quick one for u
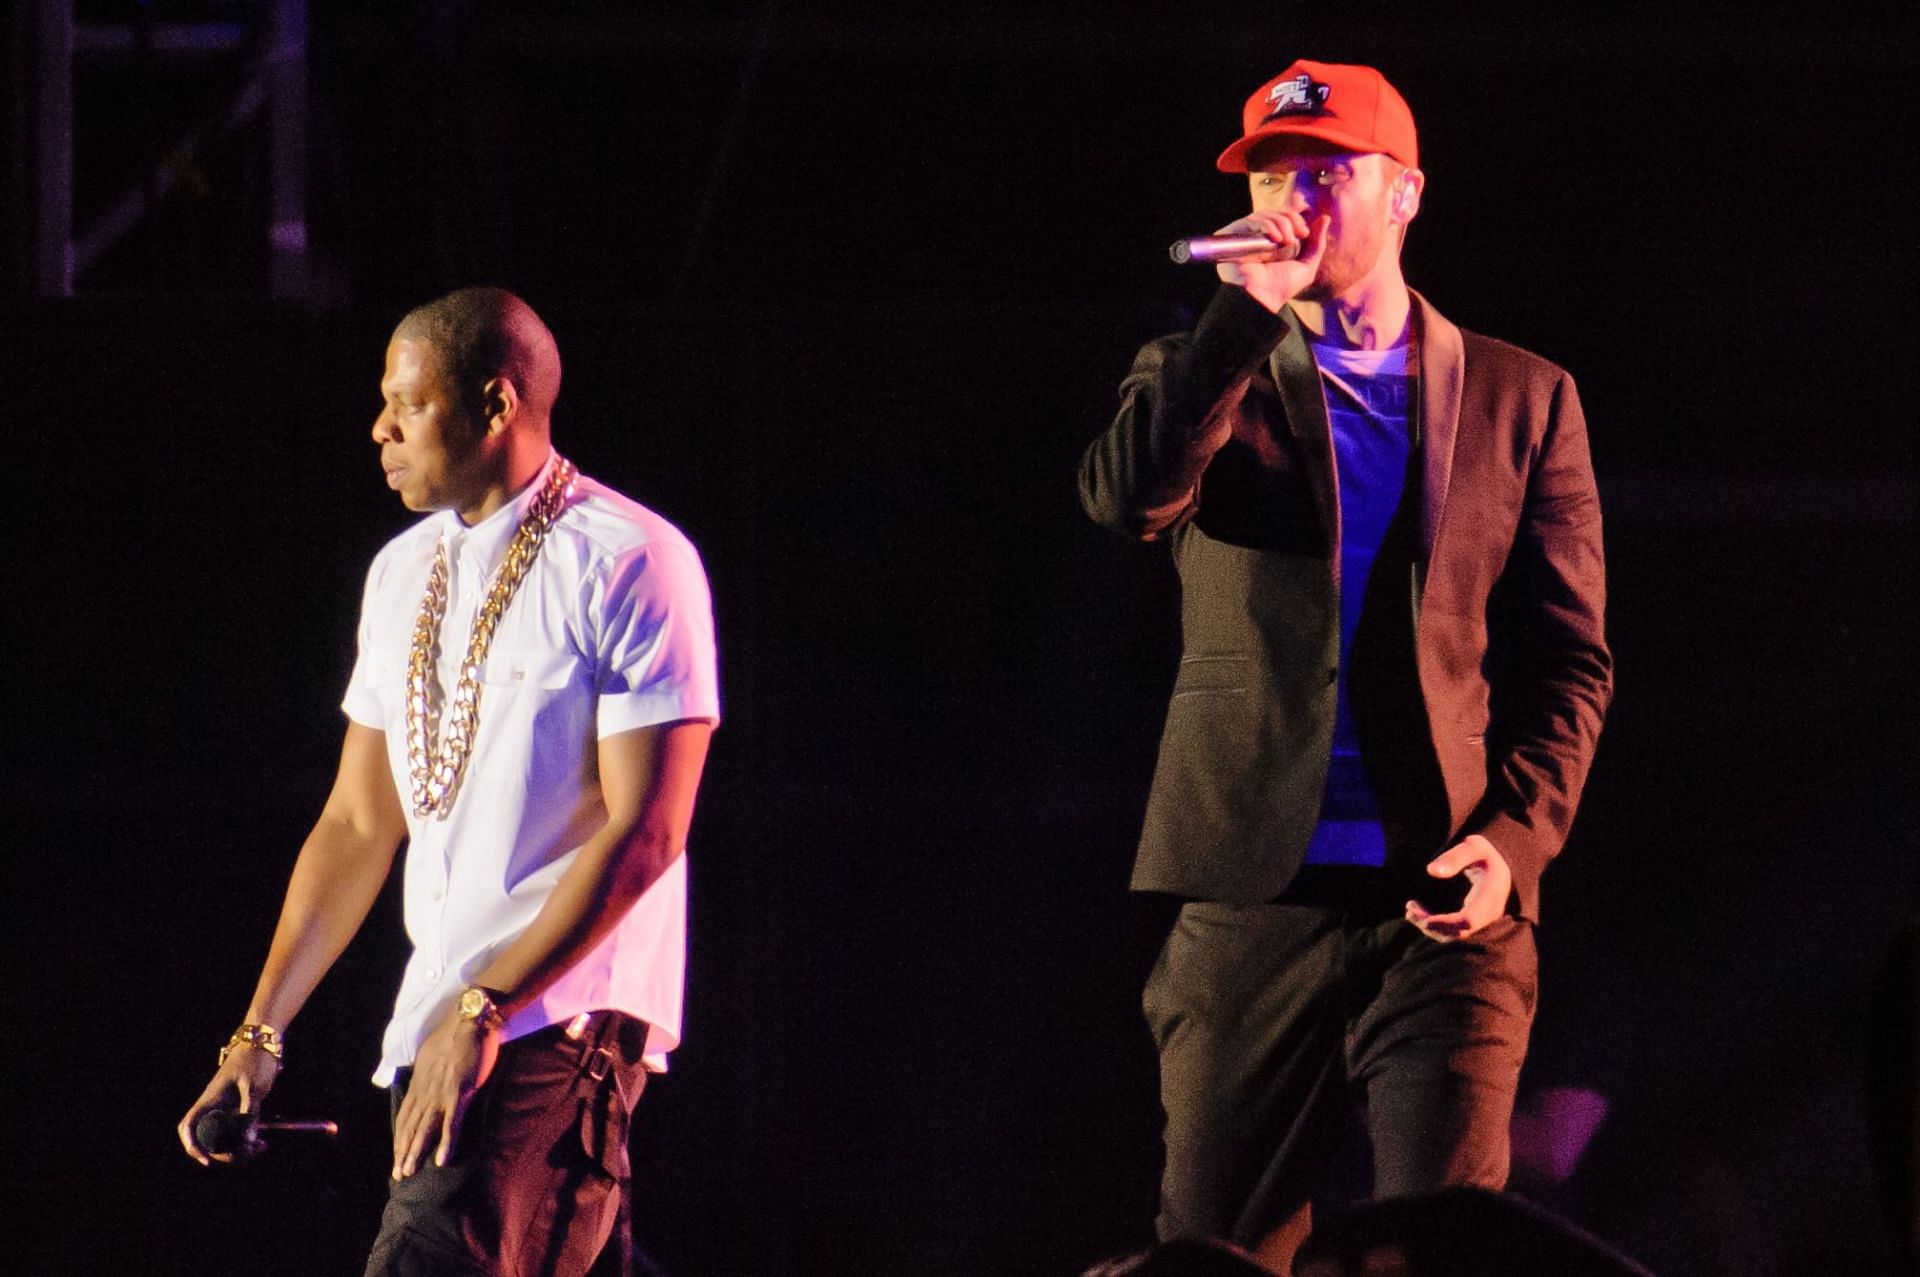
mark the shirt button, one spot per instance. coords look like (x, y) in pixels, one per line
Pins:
(432, 974)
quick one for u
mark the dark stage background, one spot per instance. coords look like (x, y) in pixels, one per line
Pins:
(844, 292)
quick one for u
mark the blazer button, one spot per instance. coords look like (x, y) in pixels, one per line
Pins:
(1333, 675)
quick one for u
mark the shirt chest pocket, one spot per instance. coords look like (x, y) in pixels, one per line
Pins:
(536, 713)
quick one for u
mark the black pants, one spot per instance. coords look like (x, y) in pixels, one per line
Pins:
(539, 1173)
(1271, 1018)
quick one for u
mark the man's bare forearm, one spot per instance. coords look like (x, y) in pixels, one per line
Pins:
(341, 868)
(334, 884)
(609, 874)
(649, 783)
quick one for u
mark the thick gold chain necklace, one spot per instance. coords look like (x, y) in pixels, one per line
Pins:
(435, 772)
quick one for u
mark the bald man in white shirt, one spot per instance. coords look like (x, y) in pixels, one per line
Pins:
(544, 782)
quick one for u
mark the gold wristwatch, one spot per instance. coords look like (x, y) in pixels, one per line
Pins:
(478, 1007)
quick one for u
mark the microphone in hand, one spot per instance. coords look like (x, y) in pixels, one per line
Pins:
(242, 1136)
(1226, 248)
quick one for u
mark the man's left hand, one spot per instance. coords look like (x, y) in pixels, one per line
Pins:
(453, 1063)
(1490, 883)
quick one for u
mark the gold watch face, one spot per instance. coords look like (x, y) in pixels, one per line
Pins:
(474, 1004)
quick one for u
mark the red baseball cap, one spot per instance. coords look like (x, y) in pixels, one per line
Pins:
(1352, 107)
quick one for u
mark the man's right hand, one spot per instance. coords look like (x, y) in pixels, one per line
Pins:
(1297, 247)
(248, 1073)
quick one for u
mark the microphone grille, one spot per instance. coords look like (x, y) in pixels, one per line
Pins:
(222, 1130)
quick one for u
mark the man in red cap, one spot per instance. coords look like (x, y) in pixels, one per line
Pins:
(1394, 676)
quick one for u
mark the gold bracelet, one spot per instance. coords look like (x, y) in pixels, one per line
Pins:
(264, 1036)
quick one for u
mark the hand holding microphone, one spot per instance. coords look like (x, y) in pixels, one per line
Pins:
(1223, 248)
(225, 1133)
(1271, 253)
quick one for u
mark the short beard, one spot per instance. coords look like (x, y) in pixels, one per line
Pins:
(1324, 287)
(1337, 274)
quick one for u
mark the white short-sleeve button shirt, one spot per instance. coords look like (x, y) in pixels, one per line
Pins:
(611, 630)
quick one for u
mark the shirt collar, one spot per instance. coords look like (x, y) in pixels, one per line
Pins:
(487, 539)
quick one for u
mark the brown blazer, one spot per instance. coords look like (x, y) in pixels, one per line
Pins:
(1222, 446)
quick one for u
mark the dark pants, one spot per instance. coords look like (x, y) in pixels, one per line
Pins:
(1271, 1018)
(539, 1173)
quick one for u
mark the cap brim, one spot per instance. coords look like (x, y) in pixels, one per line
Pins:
(1234, 158)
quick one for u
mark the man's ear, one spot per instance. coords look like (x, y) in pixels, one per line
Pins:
(1404, 205)
(499, 404)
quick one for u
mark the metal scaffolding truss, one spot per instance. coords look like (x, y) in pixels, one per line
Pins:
(50, 42)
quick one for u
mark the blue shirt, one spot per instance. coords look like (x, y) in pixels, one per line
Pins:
(1369, 397)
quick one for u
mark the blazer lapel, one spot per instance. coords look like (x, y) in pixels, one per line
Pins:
(1298, 380)
(1442, 371)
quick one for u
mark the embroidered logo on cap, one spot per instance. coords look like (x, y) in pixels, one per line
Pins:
(1302, 95)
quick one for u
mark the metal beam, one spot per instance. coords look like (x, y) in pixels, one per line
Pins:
(1481, 41)
(46, 101)
(275, 85)
(121, 216)
(114, 42)
(286, 75)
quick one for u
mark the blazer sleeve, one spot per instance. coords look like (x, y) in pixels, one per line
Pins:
(1554, 672)
(1141, 477)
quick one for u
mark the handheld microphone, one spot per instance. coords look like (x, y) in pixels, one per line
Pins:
(243, 1135)
(1225, 248)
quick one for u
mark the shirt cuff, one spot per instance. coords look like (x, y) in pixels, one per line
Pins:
(625, 712)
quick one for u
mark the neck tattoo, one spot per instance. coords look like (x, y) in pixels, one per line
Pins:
(435, 769)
